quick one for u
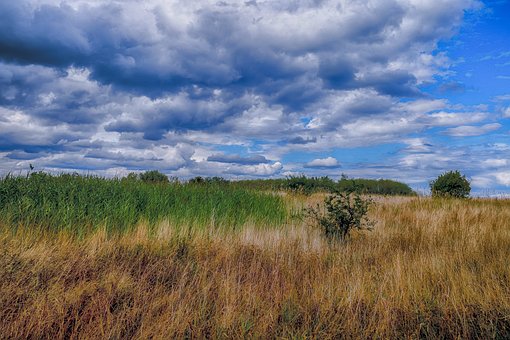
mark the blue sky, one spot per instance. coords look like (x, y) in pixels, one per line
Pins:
(400, 89)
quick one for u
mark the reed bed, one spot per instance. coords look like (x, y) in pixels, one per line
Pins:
(81, 204)
(429, 269)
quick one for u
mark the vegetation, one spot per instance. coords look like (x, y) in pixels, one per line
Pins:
(84, 203)
(296, 184)
(375, 187)
(208, 180)
(153, 176)
(305, 185)
(429, 269)
(342, 213)
(450, 184)
(309, 185)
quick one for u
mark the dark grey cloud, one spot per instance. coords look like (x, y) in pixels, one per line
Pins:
(237, 159)
(177, 112)
(45, 34)
(144, 49)
(337, 73)
(398, 83)
(301, 140)
(23, 155)
(119, 156)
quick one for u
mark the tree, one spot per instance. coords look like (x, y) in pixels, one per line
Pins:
(450, 184)
(131, 177)
(197, 180)
(153, 176)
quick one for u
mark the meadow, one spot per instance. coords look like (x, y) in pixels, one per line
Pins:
(80, 259)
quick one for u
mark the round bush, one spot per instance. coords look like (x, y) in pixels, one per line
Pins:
(450, 184)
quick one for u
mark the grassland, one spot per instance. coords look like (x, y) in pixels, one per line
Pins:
(434, 268)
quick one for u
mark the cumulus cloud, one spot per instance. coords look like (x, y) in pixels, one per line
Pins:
(165, 45)
(255, 170)
(328, 162)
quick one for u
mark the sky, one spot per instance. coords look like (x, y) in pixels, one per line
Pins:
(397, 89)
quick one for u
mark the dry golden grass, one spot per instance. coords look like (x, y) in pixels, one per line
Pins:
(431, 268)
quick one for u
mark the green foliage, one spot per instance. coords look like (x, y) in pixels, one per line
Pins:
(450, 184)
(153, 176)
(375, 187)
(197, 180)
(342, 212)
(132, 176)
(82, 203)
(309, 185)
(209, 180)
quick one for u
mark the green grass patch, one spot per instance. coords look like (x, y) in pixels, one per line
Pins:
(84, 203)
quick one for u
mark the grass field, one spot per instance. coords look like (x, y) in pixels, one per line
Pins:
(434, 268)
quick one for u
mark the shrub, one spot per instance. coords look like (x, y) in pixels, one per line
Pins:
(450, 184)
(342, 212)
(153, 176)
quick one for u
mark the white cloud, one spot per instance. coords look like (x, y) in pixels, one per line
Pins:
(502, 98)
(467, 130)
(481, 181)
(455, 118)
(495, 162)
(328, 162)
(255, 170)
(503, 177)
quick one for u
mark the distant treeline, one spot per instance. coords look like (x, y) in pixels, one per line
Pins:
(309, 185)
(299, 184)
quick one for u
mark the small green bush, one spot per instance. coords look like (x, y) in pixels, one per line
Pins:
(342, 212)
(450, 184)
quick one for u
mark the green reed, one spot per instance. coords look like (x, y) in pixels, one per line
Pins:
(84, 203)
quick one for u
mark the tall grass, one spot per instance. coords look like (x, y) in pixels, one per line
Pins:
(429, 269)
(81, 204)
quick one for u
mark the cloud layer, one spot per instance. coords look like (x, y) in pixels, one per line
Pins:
(228, 88)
